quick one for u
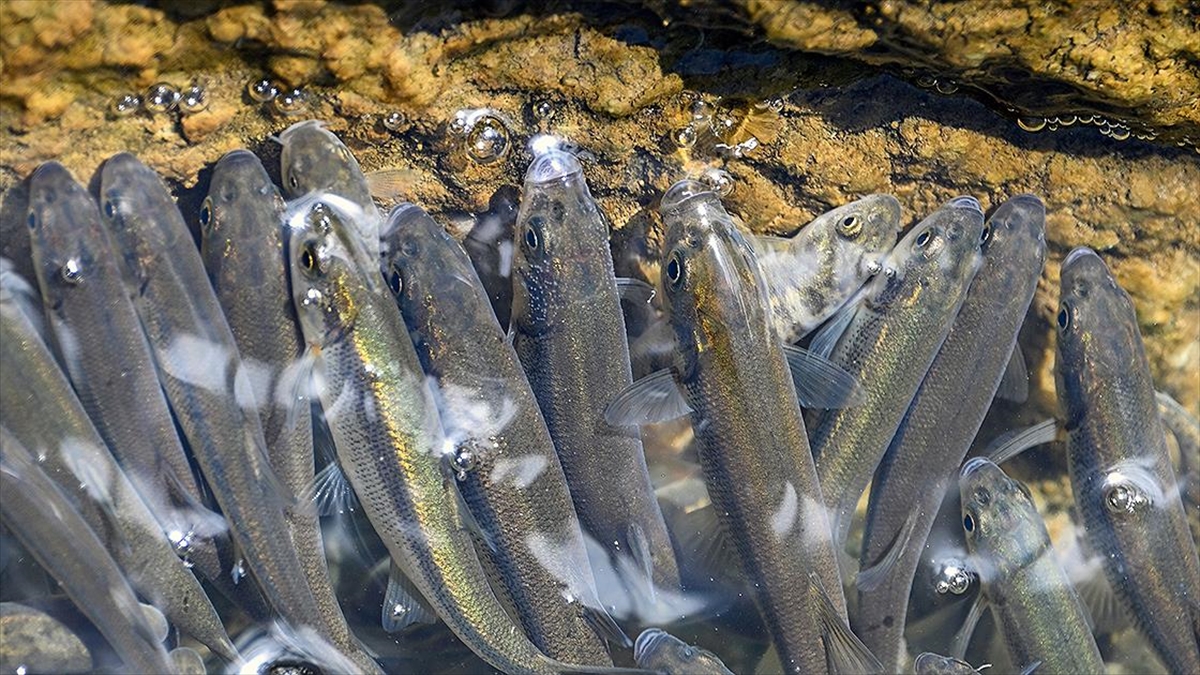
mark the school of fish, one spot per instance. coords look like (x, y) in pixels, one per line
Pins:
(207, 433)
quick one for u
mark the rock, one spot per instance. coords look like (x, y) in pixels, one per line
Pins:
(33, 641)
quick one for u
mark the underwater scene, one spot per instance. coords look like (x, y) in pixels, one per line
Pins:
(676, 338)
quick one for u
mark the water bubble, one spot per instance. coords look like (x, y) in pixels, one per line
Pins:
(774, 104)
(1067, 120)
(262, 90)
(72, 273)
(701, 109)
(926, 81)
(1086, 119)
(161, 98)
(685, 137)
(194, 99)
(126, 105)
(394, 120)
(719, 180)
(946, 87)
(1119, 132)
(464, 462)
(487, 141)
(1052, 126)
(459, 125)
(1031, 124)
(289, 102)
(1105, 131)
(543, 110)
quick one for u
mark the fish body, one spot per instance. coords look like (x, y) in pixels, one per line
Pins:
(662, 652)
(944, 416)
(314, 160)
(47, 524)
(41, 411)
(810, 275)
(569, 334)
(388, 435)
(902, 318)
(206, 384)
(242, 245)
(1121, 476)
(1031, 597)
(514, 486)
(760, 476)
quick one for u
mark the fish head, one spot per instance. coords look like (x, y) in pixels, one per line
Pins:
(1003, 529)
(328, 268)
(135, 206)
(1097, 331)
(561, 251)
(313, 159)
(656, 649)
(712, 283)
(240, 197)
(928, 663)
(426, 269)
(64, 225)
(938, 257)
(861, 231)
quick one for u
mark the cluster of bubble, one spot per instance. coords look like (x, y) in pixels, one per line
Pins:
(280, 100)
(485, 134)
(161, 98)
(1113, 129)
(940, 84)
(728, 129)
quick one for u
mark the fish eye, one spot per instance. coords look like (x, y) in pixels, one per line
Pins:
(532, 240)
(675, 270)
(110, 209)
(206, 213)
(308, 258)
(31, 221)
(850, 226)
(1064, 318)
(394, 281)
(293, 181)
(923, 239)
(968, 523)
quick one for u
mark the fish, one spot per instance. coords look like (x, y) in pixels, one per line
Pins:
(508, 472)
(388, 436)
(569, 334)
(96, 333)
(41, 411)
(928, 663)
(1120, 472)
(205, 381)
(242, 245)
(44, 519)
(944, 417)
(760, 475)
(1035, 606)
(887, 337)
(314, 160)
(662, 652)
(1185, 428)
(813, 273)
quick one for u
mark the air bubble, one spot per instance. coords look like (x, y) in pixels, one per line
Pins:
(543, 110)
(1031, 124)
(394, 120)
(161, 98)
(289, 102)
(1052, 126)
(1087, 119)
(1067, 120)
(684, 137)
(946, 87)
(927, 82)
(126, 105)
(487, 141)
(194, 99)
(701, 110)
(719, 180)
(1119, 132)
(72, 273)
(262, 90)
(464, 462)
(775, 104)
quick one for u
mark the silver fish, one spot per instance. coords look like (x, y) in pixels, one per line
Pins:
(45, 521)
(510, 475)
(205, 382)
(569, 333)
(943, 418)
(242, 244)
(662, 652)
(813, 273)
(1029, 593)
(1121, 475)
(892, 332)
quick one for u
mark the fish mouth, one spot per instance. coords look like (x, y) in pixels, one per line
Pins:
(1077, 253)
(648, 641)
(972, 465)
(965, 202)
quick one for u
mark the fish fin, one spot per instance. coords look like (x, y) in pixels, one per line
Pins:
(821, 383)
(827, 336)
(1009, 445)
(156, 622)
(187, 661)
(603, 624)
(962, 638)
(1105, 612)
(465, 517)
(1014, 383)
(332, 494)
(843, 650)
(766, 243)
(403, 604)
(389, 184)
(869, 579)
(639, 550)
(652, 399)
(635, 291)
(1029, 669)
(510, 336)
